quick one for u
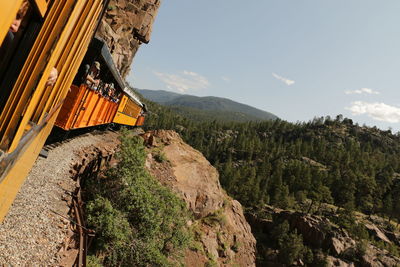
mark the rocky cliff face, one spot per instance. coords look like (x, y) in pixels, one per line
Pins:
(125, 26)
(319, 232)
(222, 233)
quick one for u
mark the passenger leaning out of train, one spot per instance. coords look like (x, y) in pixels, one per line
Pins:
(92, 75)
(110, 92)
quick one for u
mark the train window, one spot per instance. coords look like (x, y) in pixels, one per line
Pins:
(14, 51)
(15, 48)
(42, 6)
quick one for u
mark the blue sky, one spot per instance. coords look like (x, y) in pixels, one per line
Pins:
(295, 58)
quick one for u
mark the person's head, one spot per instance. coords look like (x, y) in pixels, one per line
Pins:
(23, 10)
(95, 68)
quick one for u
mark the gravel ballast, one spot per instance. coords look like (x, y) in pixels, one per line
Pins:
(32, 234)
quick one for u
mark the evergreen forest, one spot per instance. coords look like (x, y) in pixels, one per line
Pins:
(280, 163)
(306, 167)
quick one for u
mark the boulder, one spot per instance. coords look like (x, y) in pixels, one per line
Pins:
(335, 262)
(377, 233)
(341, 245)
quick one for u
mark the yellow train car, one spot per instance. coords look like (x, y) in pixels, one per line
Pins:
(41, 40)
(130, 110)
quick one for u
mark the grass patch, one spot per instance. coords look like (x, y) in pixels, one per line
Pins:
(215, 218)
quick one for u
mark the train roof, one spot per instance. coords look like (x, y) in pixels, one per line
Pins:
(132, 96)
(102, 47)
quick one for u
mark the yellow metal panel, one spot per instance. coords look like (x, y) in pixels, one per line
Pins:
(14, 179)
(122, 103)
(128, 112)
(11, 184)
(73, 54)
(81, 12)
(55, 30)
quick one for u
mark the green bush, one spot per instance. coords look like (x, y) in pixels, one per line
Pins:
(215, 218)
(138, 222)
(160, 157)
(113, 232)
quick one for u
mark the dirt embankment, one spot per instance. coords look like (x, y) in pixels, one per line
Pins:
(222, 232)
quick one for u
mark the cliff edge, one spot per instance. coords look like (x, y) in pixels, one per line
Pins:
(222, 234)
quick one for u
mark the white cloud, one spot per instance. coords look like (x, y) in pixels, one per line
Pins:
(183, 81)
(285, 80)
(377, 111)
(226, 79)
(362, 91)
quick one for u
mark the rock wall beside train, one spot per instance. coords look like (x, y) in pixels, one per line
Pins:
(125, 26)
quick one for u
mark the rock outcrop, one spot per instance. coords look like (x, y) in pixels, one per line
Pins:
(125, 26)
(222, 232)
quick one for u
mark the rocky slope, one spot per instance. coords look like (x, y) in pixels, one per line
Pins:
(319, 232)
(126, 25)
(223, 235)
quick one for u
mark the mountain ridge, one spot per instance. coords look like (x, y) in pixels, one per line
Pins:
(206, 106)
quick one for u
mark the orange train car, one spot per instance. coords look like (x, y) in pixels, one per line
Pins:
(84, 107)
(91, 105)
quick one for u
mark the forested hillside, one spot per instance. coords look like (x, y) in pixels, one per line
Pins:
(303, 166)
(329, 160)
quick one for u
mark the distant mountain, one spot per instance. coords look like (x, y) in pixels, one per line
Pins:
(158, 96)
(208, 107)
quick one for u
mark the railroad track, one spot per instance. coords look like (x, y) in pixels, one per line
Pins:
(77, 216)
(59, 136)
(85, 235)
(76, 210)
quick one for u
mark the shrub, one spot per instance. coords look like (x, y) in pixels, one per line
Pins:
(138, 222)
(113, 232)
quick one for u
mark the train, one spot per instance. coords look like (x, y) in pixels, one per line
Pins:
(48, 48)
